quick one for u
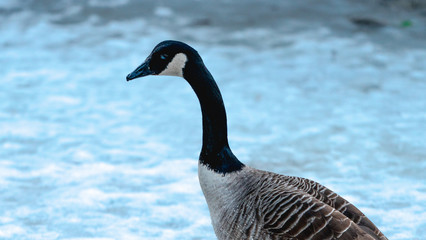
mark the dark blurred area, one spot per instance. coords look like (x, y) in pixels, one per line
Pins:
(383, 20)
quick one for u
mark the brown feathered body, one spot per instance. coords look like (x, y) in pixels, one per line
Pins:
(255, 204)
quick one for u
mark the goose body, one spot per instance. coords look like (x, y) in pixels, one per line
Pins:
(247, 203)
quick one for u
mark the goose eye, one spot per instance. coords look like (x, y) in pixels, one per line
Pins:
(164, 56)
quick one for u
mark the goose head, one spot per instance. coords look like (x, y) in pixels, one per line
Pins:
(168, 58)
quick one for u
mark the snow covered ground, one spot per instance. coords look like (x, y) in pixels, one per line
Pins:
(310, 90)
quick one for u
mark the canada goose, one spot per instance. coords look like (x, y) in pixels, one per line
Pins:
(246, 203)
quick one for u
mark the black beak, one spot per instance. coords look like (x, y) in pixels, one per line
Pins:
(141, 71)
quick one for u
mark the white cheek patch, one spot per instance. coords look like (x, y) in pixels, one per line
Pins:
(176, 66)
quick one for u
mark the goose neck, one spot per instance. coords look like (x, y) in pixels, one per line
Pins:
(215, 152)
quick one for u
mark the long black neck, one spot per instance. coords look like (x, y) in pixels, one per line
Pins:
(215, 152)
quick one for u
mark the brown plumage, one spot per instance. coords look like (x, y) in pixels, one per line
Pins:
(255, 204)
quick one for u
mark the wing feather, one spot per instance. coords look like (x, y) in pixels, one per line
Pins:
(298, 208)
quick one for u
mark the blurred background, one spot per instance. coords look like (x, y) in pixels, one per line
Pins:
(331, 90)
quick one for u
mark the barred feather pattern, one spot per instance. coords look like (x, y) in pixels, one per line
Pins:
(255, 204)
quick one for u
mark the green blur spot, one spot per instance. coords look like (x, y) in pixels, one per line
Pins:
(406, 23)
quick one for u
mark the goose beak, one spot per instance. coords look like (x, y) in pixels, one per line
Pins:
(141, 71)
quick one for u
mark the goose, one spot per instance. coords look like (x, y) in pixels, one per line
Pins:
(244, 202)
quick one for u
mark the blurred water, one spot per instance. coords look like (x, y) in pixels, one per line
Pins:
(85, 155)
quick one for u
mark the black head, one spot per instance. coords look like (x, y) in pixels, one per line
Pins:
(168, 58)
